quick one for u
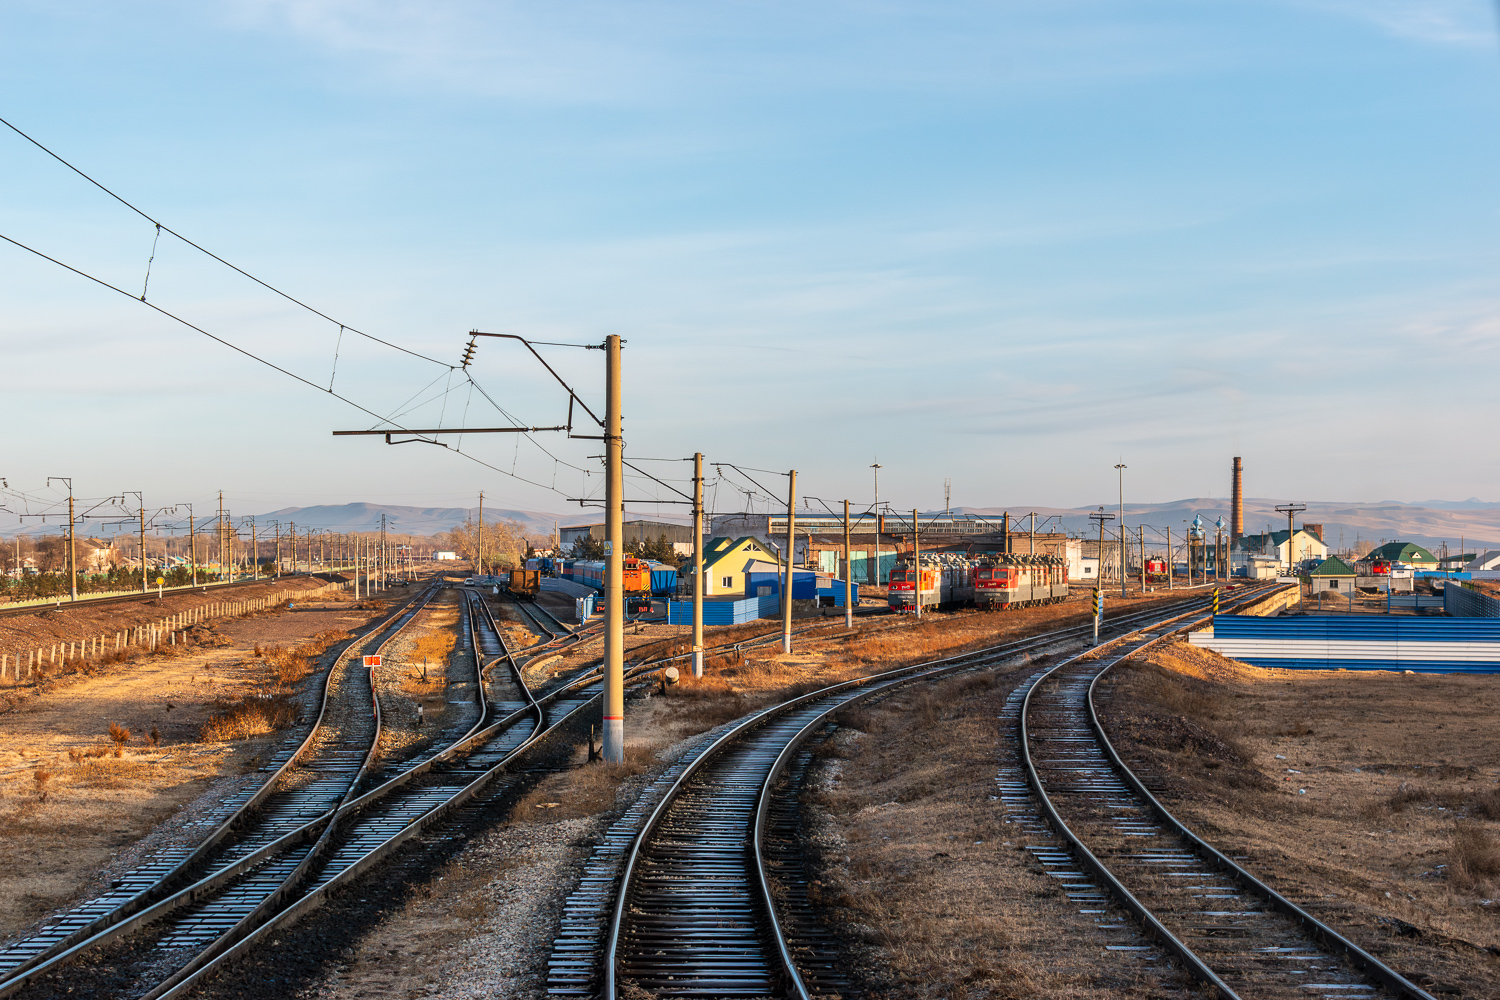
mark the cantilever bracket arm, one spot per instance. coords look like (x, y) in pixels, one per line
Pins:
(572, 396)
(447, 430)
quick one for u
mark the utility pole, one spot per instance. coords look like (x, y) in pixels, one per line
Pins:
(948, 497)
(916, 558)
(292, 537)
(192, 546)
(254, 549)
(1120, 468)
(1100, 516)
(791, 548)
(614, 558)
(479, 543)
(1032, 545)
(143, 545)
(1290, 509)
(848, 574)
(72, 550)
(875, 572)
(1171, 569)
(698, 564)
(1141, 531)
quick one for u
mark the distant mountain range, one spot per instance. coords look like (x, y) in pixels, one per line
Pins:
(417, 520)
(1429, 523)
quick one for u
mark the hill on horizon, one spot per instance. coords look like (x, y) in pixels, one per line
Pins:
(1427, 524)
(418, 520)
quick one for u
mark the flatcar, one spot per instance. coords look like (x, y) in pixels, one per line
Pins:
(943, 580)
(1016, 581)
(524, 584)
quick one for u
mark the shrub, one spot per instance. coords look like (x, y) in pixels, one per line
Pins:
(120, 736)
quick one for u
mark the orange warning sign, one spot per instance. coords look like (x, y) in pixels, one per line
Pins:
(372, 661)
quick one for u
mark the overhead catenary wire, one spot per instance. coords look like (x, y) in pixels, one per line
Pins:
(269, 364)
(203, 250)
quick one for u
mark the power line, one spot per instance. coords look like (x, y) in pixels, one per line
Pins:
(269, 364)
(264, 284)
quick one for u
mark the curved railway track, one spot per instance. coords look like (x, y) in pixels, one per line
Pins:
(174, 947)
(257, 817)
(1228, 928)
(268, 834)
(696, 914)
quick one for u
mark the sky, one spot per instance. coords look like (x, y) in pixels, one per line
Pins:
(1007, 245)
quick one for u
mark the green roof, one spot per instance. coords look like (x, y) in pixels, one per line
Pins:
(1402, 552)
(1333, 566)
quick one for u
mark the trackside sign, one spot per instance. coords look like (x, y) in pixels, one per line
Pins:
(372, 661)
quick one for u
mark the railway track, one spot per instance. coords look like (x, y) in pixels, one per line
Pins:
(319, 767)
(268, 833)
(1228, 928)
(159, 961)
(92, 602)
(696, 914)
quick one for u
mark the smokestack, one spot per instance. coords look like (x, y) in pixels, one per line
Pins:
(1237, 502)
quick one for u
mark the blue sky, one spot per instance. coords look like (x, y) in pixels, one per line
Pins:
(1007, 244)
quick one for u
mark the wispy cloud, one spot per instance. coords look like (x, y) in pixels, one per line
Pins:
(1468, 23)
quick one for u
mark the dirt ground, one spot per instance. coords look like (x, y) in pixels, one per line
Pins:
(1370, 798)
(74, 814)
(916, 871)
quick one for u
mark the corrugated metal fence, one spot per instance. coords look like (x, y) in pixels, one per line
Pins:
(1461, 602)
(1358, 642)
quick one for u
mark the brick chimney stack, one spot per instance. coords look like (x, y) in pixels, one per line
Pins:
(1237, 502)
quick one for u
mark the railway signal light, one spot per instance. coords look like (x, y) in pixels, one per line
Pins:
(1098, 612)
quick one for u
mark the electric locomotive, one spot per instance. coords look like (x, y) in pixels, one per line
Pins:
(943, 580)
(1017, 581)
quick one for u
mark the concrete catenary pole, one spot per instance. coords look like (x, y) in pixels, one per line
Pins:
(614, 556)
(916, 558)
(1031, 546)
(791, 549)
(1123, 560)
(254, 548)
(875, 570)
(72, 549)
(143, 538)
(479, 544)
(192, 546)
(1170, 568)
(848, 574)
(698, 564)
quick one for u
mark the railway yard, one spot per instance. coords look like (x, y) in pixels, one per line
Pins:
(911, 808)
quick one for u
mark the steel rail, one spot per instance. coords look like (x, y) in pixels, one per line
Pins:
(874, 684)
(1155, 928)
(150, 904)
(277, 899)
(189, 589)
(89, 933)
(1198, 967)
(314, 898)
(1317, 929)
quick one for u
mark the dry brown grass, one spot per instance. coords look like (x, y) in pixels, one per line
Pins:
(256, 715)
(587, 790)
(1474, 859)
(914, 874)
(41, 777)
(290, 667)
(1348, 788)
